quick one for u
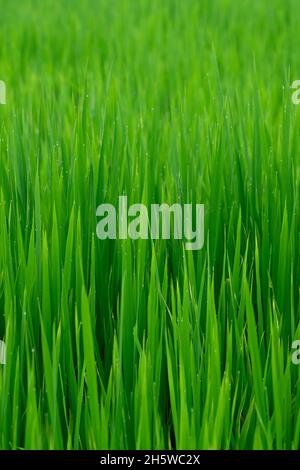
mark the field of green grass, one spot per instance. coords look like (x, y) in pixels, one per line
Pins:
(123, 344)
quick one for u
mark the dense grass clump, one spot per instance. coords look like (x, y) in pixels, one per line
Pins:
(142, 344)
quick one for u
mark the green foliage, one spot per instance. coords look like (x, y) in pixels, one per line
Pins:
(141, 344)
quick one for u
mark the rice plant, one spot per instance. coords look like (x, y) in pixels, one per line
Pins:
(141, 344)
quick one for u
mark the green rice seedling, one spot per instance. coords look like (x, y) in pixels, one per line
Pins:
(142, 344)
